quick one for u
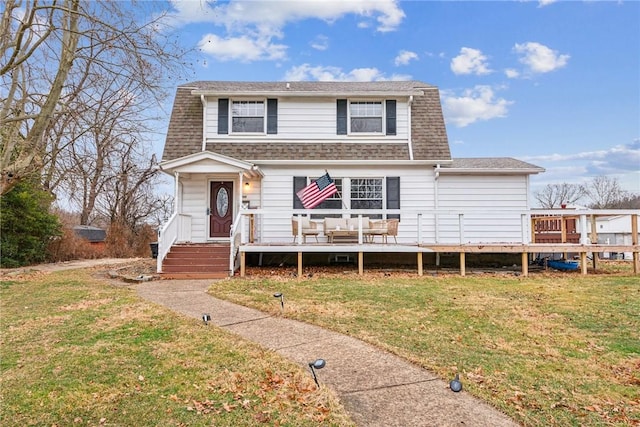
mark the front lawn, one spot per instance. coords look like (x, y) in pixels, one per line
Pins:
(75, 350)
(551, 349)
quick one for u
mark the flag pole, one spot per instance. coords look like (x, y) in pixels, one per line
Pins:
(337, 191)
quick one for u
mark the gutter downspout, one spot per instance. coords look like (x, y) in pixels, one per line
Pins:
(204, 121)
(409, 129)
(436, 206)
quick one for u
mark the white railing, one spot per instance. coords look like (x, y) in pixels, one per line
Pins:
(167, 236)
(427, 226)
(235, 239)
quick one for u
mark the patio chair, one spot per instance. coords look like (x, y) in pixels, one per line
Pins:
(309, 228)
(392, 228)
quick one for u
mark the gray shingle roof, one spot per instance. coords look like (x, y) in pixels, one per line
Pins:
(494, 164)
(428, 132)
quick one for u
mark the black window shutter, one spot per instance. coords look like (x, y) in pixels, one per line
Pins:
(299, 182)
(223, 116)
(391, 117)
(393, 195)
(272, 116)
(341, 105)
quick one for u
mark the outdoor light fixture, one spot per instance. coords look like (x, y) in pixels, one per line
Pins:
(206, 318)
(318, 364)
(455, 384)
(281, 296)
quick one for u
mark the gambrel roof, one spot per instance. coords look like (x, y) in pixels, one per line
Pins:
(428, 133)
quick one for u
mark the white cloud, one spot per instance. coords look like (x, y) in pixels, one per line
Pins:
(512, 73)
(330, 74)
(539, 58)
(543, 3)
(470, 61)
(321, 42)
(404, 57)
(244, 49)
(473, 105)
(623, 157)
(253, 24)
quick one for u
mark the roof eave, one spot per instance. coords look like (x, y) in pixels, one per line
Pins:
(297, 93)
(491, 171)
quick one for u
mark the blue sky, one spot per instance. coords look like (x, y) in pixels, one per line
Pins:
(554, 83)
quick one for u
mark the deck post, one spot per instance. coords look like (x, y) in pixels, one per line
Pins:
(525, 264)
(634, 241)
(360, 263)
(419, 229)
(594, 239)
(419, 263)
(463, 266)
(243, 259)
(583, 263)
(299, 265)
(461, 227)
(523, 225)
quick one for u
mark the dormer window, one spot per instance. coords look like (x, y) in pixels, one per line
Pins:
(247, 117)
(366, 116)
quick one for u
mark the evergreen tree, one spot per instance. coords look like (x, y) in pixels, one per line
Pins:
(26, 226)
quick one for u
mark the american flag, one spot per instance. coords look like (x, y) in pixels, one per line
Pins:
(320, 189)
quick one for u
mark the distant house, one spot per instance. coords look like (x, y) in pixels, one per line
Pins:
(94, 235)
(615, 230)
(237, 145)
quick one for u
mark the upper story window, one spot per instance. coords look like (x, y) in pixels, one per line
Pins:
(247, 116)
(366, 116)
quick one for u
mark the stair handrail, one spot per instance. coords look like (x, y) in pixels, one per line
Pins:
(233, 235)
(167, 236)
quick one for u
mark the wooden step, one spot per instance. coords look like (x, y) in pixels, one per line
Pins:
(197, 261)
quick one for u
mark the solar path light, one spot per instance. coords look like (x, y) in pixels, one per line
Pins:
(281, 296)
(206, 318)
(317, 364)
(455, 384)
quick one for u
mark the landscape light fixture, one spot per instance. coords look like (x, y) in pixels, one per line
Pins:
(455, 384)
(206, 318)
(317, 364)
(281, 296)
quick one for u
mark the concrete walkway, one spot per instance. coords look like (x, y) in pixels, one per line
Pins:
(376, 388)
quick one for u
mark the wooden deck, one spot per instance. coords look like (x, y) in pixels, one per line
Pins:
(420, 249)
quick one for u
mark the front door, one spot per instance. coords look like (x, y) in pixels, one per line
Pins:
(220, 209)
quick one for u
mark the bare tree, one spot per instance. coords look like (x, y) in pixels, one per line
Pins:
(52, 56)
(25, 112)
(556, 195)
(604, 192)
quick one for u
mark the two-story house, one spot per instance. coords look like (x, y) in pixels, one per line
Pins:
(240, 151)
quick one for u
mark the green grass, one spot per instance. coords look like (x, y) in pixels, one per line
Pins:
(75, 350)
(551, 349)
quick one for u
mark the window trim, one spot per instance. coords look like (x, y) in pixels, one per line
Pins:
(264, 115)
(383, 117)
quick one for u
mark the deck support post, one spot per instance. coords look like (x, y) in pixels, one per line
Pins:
(583, 263)
(594, 239)
(243, 259)
(419, 263)
(360, 263)
(525, 264)
(463, 267)
(634, 241)
(299, 265)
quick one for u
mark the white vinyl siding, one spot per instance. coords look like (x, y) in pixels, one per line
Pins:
(310, 119)
(476, 196)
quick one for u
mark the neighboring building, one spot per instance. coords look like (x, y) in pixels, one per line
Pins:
(255, 144)
(94, 235)
(615, 230)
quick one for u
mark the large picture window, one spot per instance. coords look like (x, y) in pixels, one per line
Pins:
(247, 116)
(366, 193)
(366, 116)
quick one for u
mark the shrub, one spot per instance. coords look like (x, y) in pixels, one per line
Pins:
(26, 226)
